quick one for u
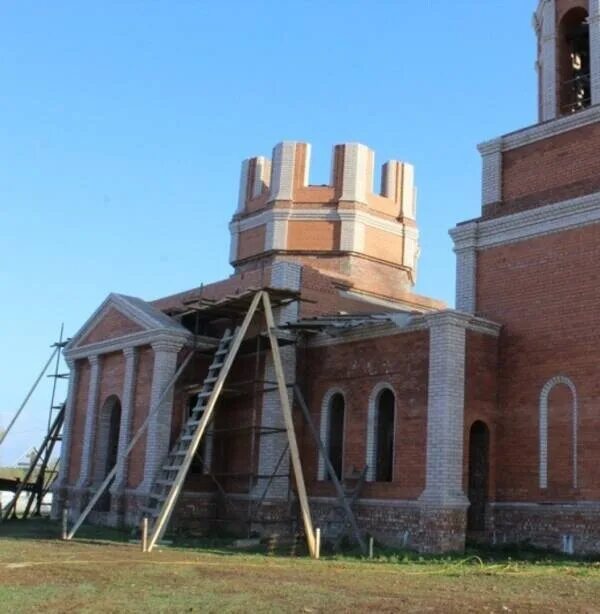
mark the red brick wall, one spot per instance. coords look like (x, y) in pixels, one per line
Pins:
(400, 360)
(545, 292)
(143, 389)
(78, 427)
(113, 324)
(111, 383)
(548, 171)
(481, 371)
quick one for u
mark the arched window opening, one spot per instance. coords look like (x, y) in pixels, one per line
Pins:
(563, 413)
(479, 467)
(574, 61)
(384, 457)
(335, 434)
(114, 430)
(107, 442)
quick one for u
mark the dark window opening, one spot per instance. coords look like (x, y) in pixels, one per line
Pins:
(574, 62)
(113, 437)
(385, 436)
(479, 468)
(335, 434)
(197, 467)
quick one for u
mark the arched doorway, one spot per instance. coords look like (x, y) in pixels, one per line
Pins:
(479, 469)
(107, 449)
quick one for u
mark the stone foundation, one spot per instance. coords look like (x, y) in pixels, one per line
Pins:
(442, 529)
(568, 528)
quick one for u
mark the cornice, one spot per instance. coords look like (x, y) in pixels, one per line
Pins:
(544, 220)
(118, 344)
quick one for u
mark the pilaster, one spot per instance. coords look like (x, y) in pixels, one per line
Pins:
(91, 415)
(127, 405)
(443, 502)
(159, 427)
(594, 21)
(465, 248)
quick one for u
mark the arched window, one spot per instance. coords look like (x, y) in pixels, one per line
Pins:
(333, 412)
(109, 428)
(544, 416)
(380, 434)
(574, 61)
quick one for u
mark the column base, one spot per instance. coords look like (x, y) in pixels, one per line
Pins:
(442, 529)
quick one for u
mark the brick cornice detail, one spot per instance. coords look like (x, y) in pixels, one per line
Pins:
(548, 219)
(539, 132)
(129, 341)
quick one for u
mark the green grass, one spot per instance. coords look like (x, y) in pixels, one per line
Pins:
(12, 472)
(102, 571)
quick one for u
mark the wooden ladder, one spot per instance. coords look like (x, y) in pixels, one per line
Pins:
(179, 459)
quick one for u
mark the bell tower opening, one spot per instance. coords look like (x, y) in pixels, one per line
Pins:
(574, 62)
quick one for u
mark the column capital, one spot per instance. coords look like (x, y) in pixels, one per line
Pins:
(94, 359)
(129, 352)
(166, 345)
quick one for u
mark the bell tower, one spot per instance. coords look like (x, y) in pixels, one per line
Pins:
(568, 56)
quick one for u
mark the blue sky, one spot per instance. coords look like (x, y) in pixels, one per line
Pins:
(123, 125)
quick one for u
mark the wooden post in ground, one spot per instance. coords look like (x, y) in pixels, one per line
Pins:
(65, 523)
(144, 534)
(317, 543)
(289, 425)
(370, 547)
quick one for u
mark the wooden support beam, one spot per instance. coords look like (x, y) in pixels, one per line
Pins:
(330, 470)
(289, 424)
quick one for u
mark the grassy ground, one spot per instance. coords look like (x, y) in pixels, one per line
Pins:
(95, 574)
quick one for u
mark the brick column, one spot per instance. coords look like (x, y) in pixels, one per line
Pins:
(595, 50)
(443, 502)
(91, 414)
(59, 487)
(159, 429)
(465, 248)
(283, 275)
(127, 404)
(546, 63)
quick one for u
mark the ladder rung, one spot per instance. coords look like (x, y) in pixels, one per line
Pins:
(150, 511)
(210, 380)
(221, 352)
(164, 482)
(217, 365)
(171, 467)
(158, 496)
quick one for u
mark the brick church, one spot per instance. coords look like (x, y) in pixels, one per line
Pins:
(471, 423)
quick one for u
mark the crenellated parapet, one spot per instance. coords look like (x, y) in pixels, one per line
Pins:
(280, 213)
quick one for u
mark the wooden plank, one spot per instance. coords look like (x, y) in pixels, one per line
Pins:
(289, 423)
(167, 509)
(330, 470)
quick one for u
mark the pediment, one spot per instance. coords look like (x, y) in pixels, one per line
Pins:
(119, 316)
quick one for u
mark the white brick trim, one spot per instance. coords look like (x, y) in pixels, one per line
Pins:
(67, 431)
(491, 160)
(128, 341)
(546, 32)
(594, 21)
(544, 395)
(282, 173)
(371, 448)
(445, 412)
(159, 429)
(325, 426)
(545, 220)
(357, 173)
(466, 268)
(345, 216)
(89, 434)
(539, 132)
